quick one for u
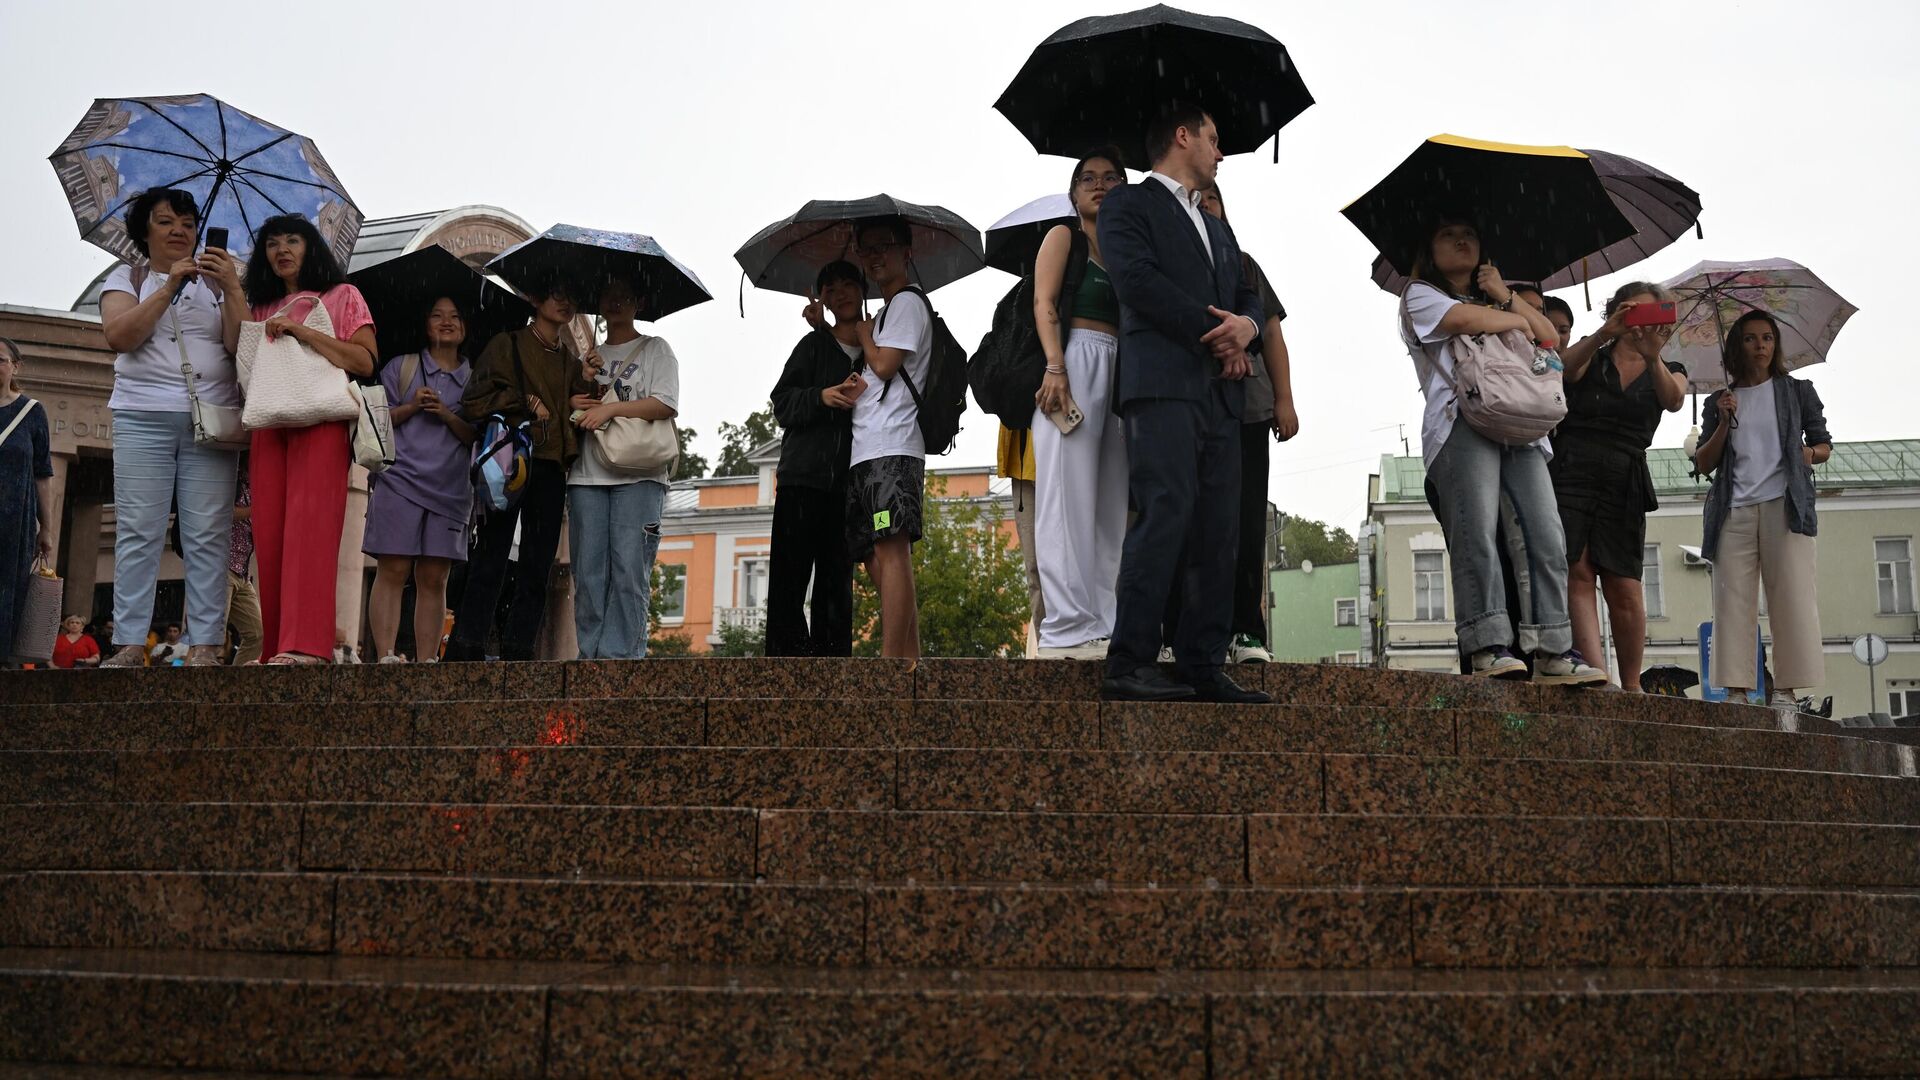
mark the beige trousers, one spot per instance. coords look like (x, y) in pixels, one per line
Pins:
(243, 614)
(1758, 551)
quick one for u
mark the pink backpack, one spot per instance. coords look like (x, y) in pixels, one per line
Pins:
(1504, 386)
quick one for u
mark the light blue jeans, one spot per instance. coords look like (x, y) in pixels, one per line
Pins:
(156, 468)
(613, 534)
(1469, 475)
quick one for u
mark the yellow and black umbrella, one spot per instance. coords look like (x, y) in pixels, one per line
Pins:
(1538, 208)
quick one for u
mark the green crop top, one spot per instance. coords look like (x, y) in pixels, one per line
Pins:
(1094, 299)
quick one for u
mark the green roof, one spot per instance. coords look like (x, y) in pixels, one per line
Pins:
(1882, 463)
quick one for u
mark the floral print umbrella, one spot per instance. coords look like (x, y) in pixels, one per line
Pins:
(1713, 295)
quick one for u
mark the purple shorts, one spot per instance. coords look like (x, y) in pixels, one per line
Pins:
(396, 526)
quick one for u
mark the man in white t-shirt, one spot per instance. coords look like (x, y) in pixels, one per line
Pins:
(889, 455)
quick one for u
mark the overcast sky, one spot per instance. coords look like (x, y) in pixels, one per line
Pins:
(700, 123)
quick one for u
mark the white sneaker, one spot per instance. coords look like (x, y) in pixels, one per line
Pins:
(1246, 649)
(1498, 662)
(1780, 699)
(1086, 650)
(393, 658)
(345, 654)
(1567, 669)
(1166, 654)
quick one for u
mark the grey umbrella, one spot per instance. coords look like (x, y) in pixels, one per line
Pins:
(788, 254)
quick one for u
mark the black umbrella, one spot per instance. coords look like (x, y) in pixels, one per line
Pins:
(400, 291)
(1014, 241)
(1101, 80)
(1670, 680)
(586, 260)
(1660, 208)
(787, 255)
(1539, 208)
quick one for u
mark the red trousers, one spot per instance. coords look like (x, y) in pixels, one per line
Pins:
(299, 478)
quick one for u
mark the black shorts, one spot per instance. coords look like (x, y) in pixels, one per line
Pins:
(883, 500)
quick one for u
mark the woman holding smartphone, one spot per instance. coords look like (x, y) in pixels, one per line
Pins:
(299, 475)
(177, 309)
(1617, 390)
(1762, 437)
(417, 516)
(1079, 452)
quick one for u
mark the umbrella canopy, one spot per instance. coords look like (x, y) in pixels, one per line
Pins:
(787, 255)
(1539, 208)
(240, 169)
(1103, 79)
(401, 290)
(1014, 240)
(1713, 295)
(1670, 680)
(586, 260)
(1660, 209)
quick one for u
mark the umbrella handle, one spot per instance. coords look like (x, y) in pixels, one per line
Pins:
(743, 294)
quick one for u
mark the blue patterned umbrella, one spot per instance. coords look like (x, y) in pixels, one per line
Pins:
(585, 260)
(240, 169)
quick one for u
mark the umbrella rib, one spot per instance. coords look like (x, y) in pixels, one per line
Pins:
(124, 203)
(256, 190)
(825, 228)
(293, 180)
(143, 150)
(270, 144)
(196, 139)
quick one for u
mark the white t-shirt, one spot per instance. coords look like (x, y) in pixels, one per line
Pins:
(1758, 475)
(885, 421)
(148, 379)
(1425, 306)
(640, 369)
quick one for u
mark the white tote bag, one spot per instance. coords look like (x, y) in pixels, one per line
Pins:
(287, 384)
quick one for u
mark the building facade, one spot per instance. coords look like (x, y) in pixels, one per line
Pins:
(1869, 514)
(1315, 615)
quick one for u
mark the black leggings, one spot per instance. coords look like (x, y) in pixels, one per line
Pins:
(539, 515)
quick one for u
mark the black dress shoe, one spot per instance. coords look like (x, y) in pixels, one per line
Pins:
(1215, 686)
(1145, 683)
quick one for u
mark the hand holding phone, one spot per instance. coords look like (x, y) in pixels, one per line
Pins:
(1653, 313)
(216, 238)
(1067, 417)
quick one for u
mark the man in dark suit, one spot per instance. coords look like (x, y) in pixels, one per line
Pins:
(1187, 318)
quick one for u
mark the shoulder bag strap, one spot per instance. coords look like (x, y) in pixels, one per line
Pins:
(186, 366)
(409, 368)
(21, 415)
(1077, 256)
(1413, 341)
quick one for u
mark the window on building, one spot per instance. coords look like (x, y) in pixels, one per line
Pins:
(673, 591)
(1893, 569)
(1346, 658)
(752, 590)
(1430, 586)
(1650, 581)
(1346, 612)
(1903, 703)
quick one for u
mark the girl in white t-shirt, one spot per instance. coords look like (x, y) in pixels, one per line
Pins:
(613, 517)
(1469, 472)
(177, 308)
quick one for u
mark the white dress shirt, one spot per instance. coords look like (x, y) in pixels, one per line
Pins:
(1190, 200)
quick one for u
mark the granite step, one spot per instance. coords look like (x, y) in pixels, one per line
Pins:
(718, 843)
(827, 723)
(1074, 927)
(483, 1019)
(1070, 781)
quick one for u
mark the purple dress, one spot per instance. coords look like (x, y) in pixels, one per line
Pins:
(421, 505)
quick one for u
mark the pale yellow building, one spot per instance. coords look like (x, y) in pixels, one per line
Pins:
(1869, 507)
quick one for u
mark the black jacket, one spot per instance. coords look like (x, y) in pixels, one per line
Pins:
(815, 441)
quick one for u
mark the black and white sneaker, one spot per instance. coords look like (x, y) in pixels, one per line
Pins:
(1498, 662)
(1567, 669)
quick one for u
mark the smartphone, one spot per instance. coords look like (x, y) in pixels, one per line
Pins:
(1658, 313)
(217, 237)
(1067, 419)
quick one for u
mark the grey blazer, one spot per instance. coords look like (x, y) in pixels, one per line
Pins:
(1803, 422)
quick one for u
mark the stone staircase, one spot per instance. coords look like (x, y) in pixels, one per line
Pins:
(846, 868)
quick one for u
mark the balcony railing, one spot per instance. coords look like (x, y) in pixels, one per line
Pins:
(748, 618)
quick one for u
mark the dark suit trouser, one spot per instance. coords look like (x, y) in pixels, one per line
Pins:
(1183, 462)
(810, 543)
(1250, 564)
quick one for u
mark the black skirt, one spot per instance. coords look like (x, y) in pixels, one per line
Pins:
(1604, 494)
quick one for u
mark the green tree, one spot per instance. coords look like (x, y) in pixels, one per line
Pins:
(968, 577)
(661, 587)
(738, 440)
(1304, 538)
(691, 466)
(737, 640)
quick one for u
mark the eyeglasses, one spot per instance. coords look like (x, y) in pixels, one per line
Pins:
(882, 248)
(1089, 179)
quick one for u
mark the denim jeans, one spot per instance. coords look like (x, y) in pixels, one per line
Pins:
(157, 467)
(1469, 475)
(614, 533)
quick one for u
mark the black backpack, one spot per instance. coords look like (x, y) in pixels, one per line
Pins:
(1007, 369)
(945, 397)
